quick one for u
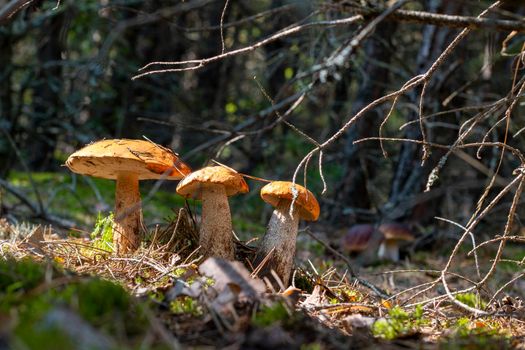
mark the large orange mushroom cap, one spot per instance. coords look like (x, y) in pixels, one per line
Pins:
(107, 158)
(306, 202)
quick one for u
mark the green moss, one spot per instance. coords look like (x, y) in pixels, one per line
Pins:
(49, 338)
(99, 300)
(186, 305)
(31, 290)
(400, 323)
(475, 334)
(471, 299)
(269, 315)
(19, 275)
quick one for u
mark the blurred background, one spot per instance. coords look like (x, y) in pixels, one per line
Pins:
(65, 80)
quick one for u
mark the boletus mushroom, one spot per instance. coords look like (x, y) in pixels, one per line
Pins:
(394, 234)
(213, 185)
(357, 238)
(127, 162)
(277, 247)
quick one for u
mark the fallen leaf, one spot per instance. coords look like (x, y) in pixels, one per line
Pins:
(225, 272)
(182, 288)
(358, 321)
(386, 304)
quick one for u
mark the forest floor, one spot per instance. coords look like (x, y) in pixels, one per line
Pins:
(65, 289)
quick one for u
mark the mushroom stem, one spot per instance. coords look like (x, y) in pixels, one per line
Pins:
(216, 237)
(389, 250)
(128, 213)
(279, 241)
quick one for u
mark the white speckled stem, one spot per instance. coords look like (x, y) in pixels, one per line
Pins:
(128, 214)
(389, 250)
(216, 238)
(280, 237)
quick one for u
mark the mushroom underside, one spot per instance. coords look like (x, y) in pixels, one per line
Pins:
(128, 214)
(215, 237)
(279, 242)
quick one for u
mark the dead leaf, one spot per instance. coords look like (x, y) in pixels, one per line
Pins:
(226, 272)
(183, 288)
(358, 321)
(315, 298)
(34, 241)
(386, 304)
(223, 303)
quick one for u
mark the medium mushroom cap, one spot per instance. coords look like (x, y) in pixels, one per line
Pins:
(276, 191)
(107, 158)
(357, 238)
(192, 184)
(396, 231)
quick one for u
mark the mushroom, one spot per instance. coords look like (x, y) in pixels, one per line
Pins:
(278, 243)
(357, 238)
(127, 162)
(394, 234)
(214, 185)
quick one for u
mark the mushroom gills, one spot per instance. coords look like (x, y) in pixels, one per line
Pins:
(216, 238)
(128, 213)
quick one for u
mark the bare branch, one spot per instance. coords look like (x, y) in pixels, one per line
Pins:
(12, 8)
(439, 19)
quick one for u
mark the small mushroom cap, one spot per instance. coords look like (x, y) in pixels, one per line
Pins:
(357, 238)
(107, 158)
(276, 191)
(396, 231)
(192, 184)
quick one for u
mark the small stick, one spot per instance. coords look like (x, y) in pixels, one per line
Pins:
(379, 292)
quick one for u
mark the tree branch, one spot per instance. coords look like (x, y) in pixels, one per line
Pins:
(11, 8)
(439, 19)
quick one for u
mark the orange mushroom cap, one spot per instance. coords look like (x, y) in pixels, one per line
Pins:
(192, 184)
(276, 191)
(107, 158)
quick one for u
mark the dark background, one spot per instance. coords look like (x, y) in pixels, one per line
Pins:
(65, 80)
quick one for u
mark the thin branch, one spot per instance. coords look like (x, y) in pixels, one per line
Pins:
(199, 63)
(12, 8)
(453, 21)
(363, 282)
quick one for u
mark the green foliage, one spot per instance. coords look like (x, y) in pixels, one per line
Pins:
(288, 73)
(471, 299)
(475, 334)
(400, 323)
(99, 300)
(102, 234)
(49, 338)
(230, 108)
(73, 196)
(19, 275)
(186, 305)
(16, 278)
(270, 314)
(311, 346)
(29, 291)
